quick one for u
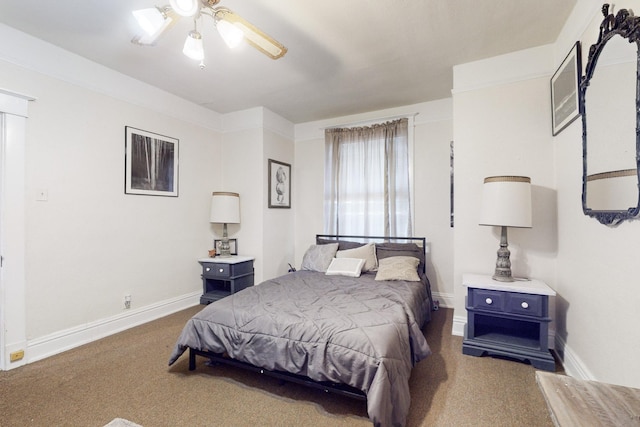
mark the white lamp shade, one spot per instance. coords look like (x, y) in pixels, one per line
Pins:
(193, 47)
(231, 34)
(506, 201)
(185, 7)
(150, 20)
(225, 208)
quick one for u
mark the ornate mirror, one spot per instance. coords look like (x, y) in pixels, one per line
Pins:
(610, 105)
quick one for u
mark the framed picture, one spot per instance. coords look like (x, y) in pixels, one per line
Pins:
(151, 163)
(233, 246)
(565, 90)
(279, 184)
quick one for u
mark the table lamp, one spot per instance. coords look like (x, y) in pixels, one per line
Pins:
(506, 202)
(225, 209)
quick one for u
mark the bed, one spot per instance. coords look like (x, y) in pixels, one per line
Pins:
(356, 332)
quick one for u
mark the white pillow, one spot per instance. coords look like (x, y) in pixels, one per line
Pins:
(318, 257)
(366, 252)
(351, 267)
(398, 268)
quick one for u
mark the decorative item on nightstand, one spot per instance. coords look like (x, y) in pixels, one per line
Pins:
(225, 209)
(506, 202)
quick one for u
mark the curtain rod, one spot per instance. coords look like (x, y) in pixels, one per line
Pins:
(377, 119)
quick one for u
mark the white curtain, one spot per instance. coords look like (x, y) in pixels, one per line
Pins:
(367, 184)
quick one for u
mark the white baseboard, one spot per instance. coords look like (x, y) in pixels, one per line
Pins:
(60, 341)
(459, 322)
(573, 365)
(444, 300)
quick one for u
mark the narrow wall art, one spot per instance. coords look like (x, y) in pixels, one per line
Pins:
(279, 184)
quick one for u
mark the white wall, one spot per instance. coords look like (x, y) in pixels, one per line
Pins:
(278, 231)
(432, 136)
(502, 125)
(251, 138)
(89, 244)
(242, 172)
(597, 269)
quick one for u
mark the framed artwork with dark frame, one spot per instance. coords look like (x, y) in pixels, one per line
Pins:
(279, 177)
(565, 93)
(233, 246)
(151, 163)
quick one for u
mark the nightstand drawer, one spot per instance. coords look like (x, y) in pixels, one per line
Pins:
(216, 270)
(487, 300)
(527, 304)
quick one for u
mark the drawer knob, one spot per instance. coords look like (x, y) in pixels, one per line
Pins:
(221, 270)
(524, 305)
(207, 269)
(489, 301)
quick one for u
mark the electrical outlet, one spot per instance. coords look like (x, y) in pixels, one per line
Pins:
(16, 355)
(127, 302)
(42, 195)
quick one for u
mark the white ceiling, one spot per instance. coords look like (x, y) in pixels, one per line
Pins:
(345, 56)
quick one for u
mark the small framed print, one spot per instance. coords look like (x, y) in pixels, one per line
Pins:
(565, 90)
(233, 246)
(279, 177)
(151, 163)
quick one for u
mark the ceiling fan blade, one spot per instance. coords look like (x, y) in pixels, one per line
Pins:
(254, 36)
(169, 19)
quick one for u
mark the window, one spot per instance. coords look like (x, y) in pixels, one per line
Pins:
(367, 180)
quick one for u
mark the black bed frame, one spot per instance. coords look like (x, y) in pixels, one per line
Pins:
(326, 386)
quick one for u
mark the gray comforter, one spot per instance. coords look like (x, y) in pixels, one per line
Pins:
(356, 331)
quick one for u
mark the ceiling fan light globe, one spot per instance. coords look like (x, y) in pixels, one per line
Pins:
(193, 47)
(185, 7)
(150, 20)
(231, 34)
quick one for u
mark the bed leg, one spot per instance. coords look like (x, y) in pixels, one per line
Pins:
(192, 359)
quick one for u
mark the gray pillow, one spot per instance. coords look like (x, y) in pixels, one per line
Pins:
(319, 257)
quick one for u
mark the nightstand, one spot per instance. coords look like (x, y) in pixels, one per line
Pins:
(509, 319)
(222, 277)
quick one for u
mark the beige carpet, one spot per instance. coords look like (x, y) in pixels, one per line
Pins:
(126, 376)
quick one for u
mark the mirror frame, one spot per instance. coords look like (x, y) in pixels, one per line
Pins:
(628, 27)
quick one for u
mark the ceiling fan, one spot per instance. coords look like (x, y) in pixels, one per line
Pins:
(232, 28)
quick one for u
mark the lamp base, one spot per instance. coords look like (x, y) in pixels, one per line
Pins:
(502, 276)
(225, 249)
(503, 263)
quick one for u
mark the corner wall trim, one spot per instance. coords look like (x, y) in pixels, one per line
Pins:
(459, 322)
(61, 341)
(573, 365)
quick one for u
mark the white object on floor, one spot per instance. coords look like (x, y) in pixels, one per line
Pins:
(121, 422)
